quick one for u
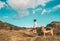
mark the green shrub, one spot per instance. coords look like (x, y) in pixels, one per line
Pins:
(39, 31)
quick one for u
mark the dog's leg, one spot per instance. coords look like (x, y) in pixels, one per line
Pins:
(44, 34)
(52, 33)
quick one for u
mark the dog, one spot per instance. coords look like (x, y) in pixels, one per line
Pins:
(47, 31)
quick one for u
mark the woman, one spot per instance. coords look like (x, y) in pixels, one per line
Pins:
(35, 25)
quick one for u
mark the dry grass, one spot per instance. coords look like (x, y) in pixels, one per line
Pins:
(25, 35)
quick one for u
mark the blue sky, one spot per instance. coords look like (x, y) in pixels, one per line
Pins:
(23, 12)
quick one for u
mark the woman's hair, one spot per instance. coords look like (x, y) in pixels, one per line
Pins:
(34, 20)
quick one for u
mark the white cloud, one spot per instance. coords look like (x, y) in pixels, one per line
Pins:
(44, 10)
(2, 4)
(54, 8)
(5, 17)
(38, 9)
(51, 10)
(21, 5)
(23, 13)
(26, 3)
(42, 2)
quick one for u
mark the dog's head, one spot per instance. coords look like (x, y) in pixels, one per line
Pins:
(42, 28)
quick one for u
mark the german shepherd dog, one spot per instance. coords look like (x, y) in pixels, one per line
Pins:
(47, 31)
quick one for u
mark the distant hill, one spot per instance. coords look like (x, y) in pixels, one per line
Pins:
(7, 26)
(54, 24)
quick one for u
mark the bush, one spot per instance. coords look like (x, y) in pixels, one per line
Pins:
(39, 31)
